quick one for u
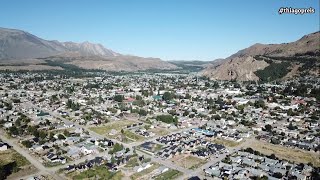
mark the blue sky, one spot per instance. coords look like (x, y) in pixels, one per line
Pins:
(168, 29)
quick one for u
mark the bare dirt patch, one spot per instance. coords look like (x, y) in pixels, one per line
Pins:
(188, 161)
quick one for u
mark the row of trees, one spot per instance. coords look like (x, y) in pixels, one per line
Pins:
(71, 105)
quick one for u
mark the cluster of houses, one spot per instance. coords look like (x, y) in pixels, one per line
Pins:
(220, 109)
(138, 128)
(74, 149)
(213, 129)
(54, 158)
(245, 165)
(97, 161)
(187, 142)
(143, 132)
(308, 144)
(230, 106)
(67, 142)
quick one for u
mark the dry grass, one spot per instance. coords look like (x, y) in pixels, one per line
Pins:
(224, 142)
(24, 171)
(99, 172)
(133, 136)
(10, 156)
(287, 153)
(159, 131)
(23, 164)
(171, 174)
(188, 161)
(117, 125)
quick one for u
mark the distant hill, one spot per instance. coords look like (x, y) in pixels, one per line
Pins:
(268, 62)
(20, 47)
(190, 65)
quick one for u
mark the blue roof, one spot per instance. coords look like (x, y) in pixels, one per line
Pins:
(157, 97)
(204, 131)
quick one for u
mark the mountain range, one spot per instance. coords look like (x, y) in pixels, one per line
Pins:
(270, 61)
(20, 50)
(18, 47)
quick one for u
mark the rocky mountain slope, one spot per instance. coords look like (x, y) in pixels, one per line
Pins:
(24, 48)
(16, 44)
(89, 49)
(283, 60)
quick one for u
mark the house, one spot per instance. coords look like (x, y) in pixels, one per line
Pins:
(68, 125)
(4, 146)
(53, 158)
(213, 171)
(241, 174)
(8, 124)
(88, 150)
(74, 152)
(249, 162)
(235, 159)
(256, 172)
(70, 168)
(298, 175)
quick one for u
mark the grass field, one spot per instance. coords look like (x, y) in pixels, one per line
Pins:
(96, 173)
(117, 125)
(132, 162)
(23, 168)
(157, 147)
(10, 156)
(145, 172)
(135, 162)
(224, 142)
(188, 162)
(287, 153)
(132, 136)
(170, 174)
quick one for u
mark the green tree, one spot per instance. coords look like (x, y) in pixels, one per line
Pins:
(118, 98)
(117, 147)
(66, 133)
(145, 93)
(42, 134)
(259, 104)
(139, 98)
(27, 143)
(268, 127)
(60, 136)
(13, 131)
(167, 119)
(216, 117)
(142, 112)
(167, 96)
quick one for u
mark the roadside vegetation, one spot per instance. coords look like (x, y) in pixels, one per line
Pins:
(170, 174)
(98, 173)
(11, 162)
